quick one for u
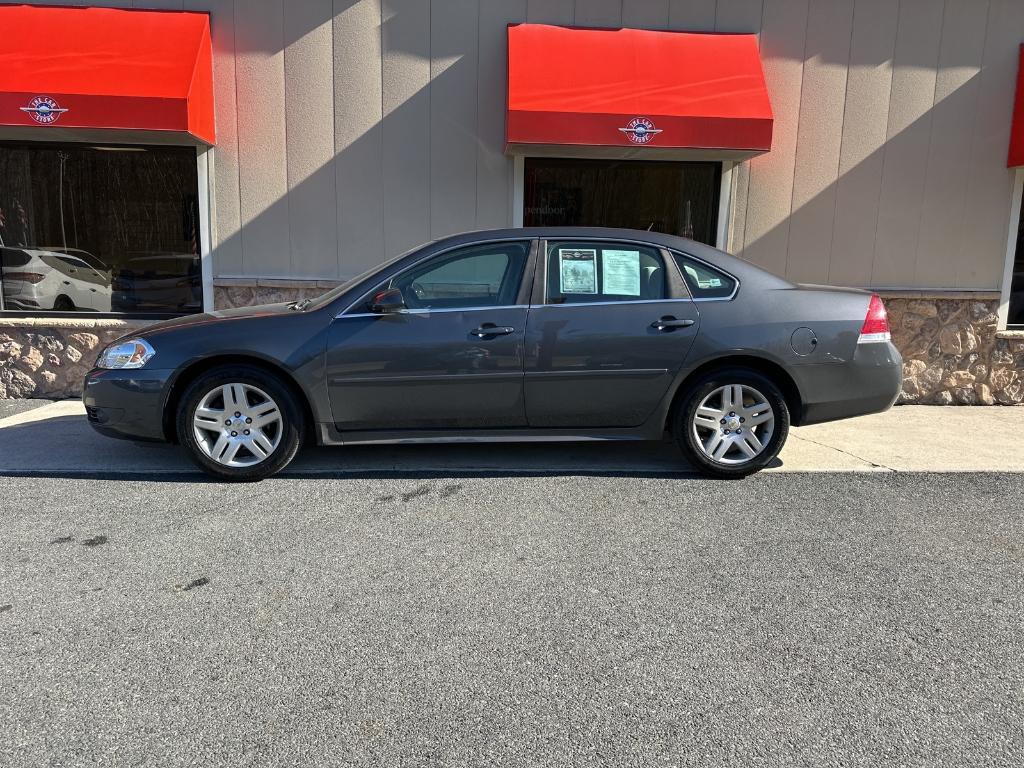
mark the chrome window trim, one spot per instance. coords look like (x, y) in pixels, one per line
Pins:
(614, 303)
(446, 310)
(709, 265)
(425, 258)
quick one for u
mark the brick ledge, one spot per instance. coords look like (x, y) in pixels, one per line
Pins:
(83, 323)
(936, 294)
(274, 282)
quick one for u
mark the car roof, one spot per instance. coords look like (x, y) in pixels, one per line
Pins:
(727, 262)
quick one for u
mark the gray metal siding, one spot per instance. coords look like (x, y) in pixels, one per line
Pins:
(354, 129)
(358, 137)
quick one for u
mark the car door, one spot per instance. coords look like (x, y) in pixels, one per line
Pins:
(609, 327)
(72, 271)
(85, 284)
(451, 358)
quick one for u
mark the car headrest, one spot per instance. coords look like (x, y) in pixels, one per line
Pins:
(650, 283)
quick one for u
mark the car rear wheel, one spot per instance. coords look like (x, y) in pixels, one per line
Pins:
(731, 422)
(240, 423)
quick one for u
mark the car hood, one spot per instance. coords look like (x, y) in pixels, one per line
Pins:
(219, 316)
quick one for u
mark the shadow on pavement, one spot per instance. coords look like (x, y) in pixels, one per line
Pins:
(65, 446)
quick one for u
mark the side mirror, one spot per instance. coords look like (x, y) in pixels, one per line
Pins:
(387, 301)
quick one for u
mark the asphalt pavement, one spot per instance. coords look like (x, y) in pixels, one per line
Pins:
(860, 619)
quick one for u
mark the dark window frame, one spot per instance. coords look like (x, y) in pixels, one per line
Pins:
(1015, 308)
(201, 224)
(545, 162)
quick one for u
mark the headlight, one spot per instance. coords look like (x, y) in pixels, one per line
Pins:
(133, 353)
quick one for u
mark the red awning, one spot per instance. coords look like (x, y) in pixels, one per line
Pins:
(632, 87)
(1016, 156)
(106, 68)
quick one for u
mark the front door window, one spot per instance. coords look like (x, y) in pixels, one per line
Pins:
(486, 275)
(677, 198)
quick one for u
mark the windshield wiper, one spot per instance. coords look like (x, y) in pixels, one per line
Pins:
(300, 305)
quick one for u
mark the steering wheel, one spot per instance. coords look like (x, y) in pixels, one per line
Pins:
(418, 291)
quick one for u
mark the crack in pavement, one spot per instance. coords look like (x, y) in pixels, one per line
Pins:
(845, 452)
(230, 504)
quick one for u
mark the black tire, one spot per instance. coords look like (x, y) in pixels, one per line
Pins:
(695, 393)
(292, 426)
(63, 304)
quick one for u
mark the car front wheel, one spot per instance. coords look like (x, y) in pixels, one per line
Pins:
(240, 423)
(732, 423)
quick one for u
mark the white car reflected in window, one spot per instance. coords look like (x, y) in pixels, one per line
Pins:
(48, 279)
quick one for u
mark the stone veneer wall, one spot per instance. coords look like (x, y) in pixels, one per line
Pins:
(228, 294)
(952, 354)
(50, 357)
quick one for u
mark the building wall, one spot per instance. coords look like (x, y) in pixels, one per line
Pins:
(888, 166)
(352, 130)
(343, 116)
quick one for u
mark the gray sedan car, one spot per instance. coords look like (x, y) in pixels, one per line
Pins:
(517, 334)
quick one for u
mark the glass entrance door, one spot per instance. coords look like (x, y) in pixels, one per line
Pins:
(677, 198)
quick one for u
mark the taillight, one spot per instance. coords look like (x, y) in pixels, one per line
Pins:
(876, 324)
(25, 277)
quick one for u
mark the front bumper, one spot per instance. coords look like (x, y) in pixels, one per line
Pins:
(127, 404)
(870, 383)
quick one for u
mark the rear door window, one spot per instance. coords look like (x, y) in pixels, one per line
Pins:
(582, 272)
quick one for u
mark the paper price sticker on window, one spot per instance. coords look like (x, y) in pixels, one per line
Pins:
(620, 273)
(577, 268)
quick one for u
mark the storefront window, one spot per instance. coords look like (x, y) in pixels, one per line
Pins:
(1015, 318)
(99, 229)
(678, 198)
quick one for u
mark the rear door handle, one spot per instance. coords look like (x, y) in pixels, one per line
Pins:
(487, 329)
(670, 323)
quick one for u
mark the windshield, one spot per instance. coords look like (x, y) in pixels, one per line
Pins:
(335, 292)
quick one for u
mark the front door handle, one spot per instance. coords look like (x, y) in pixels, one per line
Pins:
(489, 329)
(670, 324)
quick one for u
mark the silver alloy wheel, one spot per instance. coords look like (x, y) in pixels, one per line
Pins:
(733, 424)
(237, 425)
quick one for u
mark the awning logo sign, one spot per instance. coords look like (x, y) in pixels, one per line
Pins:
(640, 130)
(43, 110)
